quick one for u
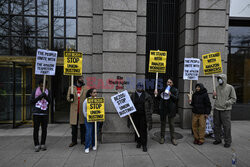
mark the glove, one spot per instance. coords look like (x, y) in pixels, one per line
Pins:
(71, 96)
(149, 126)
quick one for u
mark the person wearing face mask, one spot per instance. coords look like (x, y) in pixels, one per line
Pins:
(168, 98)
(144, 108)
(225, 97)
(76, 115)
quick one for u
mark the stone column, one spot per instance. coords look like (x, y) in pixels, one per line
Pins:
(203, 29)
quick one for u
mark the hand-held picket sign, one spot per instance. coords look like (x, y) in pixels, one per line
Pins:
(124, 106)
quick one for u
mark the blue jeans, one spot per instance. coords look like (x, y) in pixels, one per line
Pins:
(89, 135)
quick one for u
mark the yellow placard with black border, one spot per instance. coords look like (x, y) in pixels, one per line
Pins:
(212, 63)
(157, 61)
(95, 109)
(72, 63)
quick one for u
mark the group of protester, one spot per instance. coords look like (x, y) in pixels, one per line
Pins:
(224, 96)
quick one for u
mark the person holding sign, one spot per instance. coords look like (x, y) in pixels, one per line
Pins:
(225, 97)
(89, 136)
(40, 101)
(201, 109)
(76, 116)
(168, 98)
(143, 115)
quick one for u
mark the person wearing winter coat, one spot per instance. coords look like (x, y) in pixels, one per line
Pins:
(40, 101)
(76, 115)
(225, 97)
(143, 103)
(201, 109)
(168, 98)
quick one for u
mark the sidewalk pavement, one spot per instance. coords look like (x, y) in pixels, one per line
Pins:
(17, 150)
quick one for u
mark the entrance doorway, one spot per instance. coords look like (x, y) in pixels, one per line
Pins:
(15, 91)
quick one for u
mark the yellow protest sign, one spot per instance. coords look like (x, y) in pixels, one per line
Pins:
(72, 63)
(95, 109)
(212, 63)
(157, 61)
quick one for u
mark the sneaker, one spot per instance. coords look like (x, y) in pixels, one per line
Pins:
(94, 148)
(162, 141)
(72, 144)
(174, 142)
(37, 148)
(87, 150)
(200, 143)
(43, 147)
(138, 145)
(216, 142)
(144, 149)
(226, 145)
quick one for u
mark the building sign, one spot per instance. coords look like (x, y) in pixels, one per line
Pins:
(212, 63)
(95, 109)
(45, 62)
(72, 63)
(191, 69)
(123, 104)
(157, 61)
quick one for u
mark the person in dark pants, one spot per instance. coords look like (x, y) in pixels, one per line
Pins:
(201, 109)
(168, 98)
(76, 115)
(143, 115)
(225, 97)
(40, 101)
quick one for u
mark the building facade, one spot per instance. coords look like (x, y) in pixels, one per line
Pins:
(115, 37)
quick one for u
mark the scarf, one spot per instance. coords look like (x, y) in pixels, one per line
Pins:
(42, 104)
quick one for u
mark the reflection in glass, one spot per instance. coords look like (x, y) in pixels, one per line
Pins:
(239, 36)
(71, 43)
(4, 25)
(59, 46)
(28, 81)
(16, 46)
(71, 28)
(16, 7)
(16, 26)
(29, 47)
(29, 26)
(42, 7)
(4, 45)
(71, 8)
(58, 7)
(43, 27)
(58, 27)
(42, 43)
(29, 7)
(4, 7)
(239, 8)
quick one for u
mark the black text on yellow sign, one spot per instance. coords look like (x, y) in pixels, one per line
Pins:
(157, 61)
(72, 63)
(95, 110)
(212, 63)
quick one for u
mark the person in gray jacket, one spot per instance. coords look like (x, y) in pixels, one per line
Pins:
(225, 97)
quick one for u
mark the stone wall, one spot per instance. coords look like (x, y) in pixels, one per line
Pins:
(112, 37)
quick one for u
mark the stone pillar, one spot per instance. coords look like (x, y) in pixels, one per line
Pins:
(203, 29)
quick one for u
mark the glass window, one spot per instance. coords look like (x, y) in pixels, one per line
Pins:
(59, 46)
(239, 36)
(16, 46)
(4, 45)
(71, 43)
(4, 25)
(71, 28)
(70, 8)
(29, 7)
(42, 27)
(29, 47)
(16, 26)
(240, 8)
(29, 26)
(42, 7)
(58, 7)
(42, 43)
(16, 7)
(58, 27)
(4, 8)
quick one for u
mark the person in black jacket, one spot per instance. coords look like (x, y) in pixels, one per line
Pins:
(201, 109)
(40, 101)
(168, 98)
(143, 116)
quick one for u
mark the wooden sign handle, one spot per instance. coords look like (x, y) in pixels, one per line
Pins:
(156, 82)
(133, 125)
